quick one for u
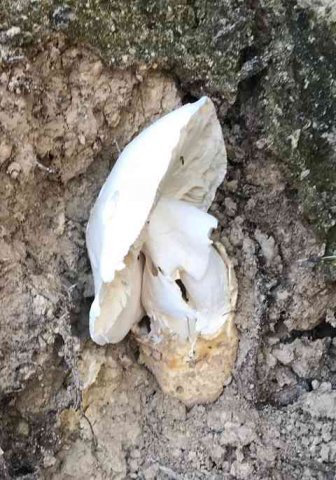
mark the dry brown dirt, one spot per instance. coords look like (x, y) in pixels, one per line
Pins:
(72, 410)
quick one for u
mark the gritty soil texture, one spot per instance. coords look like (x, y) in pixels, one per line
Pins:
(72, 410)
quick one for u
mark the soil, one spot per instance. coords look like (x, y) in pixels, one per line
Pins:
(72, 410)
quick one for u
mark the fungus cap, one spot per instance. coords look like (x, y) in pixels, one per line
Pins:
(181, 157)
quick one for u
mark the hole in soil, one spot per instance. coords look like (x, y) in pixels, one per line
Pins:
(19, 468)
(144, 325)
(248, 86)
(290, 394)
(80, 321)
(188, 98)
(322, 330)
(247, 54)
(58, 343)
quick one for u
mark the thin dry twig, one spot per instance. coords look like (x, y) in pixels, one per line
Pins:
(44, 168)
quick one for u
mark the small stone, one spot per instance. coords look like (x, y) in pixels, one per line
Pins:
(23, 428)
(232, 185)
(217, 453)
(326, 434)
(261, 143)
(5, 152)
(135, 453)
(133, 465)
(14, 169)
(49, 461)
(332, 451)
(283, 355)
(13, 31)
(267, 244)
(150, 472)
(304, 174)
(230, 207)
(326, 387)
(63, 16)
(324, 453)
(330, 316)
